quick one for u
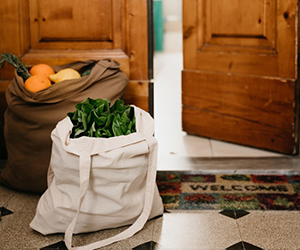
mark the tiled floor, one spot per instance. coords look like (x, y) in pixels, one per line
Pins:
(180, 230)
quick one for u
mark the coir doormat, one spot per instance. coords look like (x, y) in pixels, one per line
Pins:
(195, 191)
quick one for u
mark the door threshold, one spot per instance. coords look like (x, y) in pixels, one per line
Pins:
(232, 165)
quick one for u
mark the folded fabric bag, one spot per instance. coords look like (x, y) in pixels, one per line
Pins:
(30, 118)
(99, 183)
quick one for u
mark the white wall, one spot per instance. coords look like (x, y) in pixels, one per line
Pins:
(172, 11)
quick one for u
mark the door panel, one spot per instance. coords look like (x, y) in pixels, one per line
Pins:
(244, 109)
(255, 23)
(60, 24)
(239, 82)
(252, 51)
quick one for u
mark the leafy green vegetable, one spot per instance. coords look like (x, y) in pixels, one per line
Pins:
(86, 73)
(95, 118)
(13, 60)
(86, 70)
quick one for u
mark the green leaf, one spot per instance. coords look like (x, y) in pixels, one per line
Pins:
(95, 118)
(129, 126)
(78, 106)
(117, 126)
(73, 115)
(92, 130)
(87, 108)
(14, 60)
(98, 133)
(101, 102)
(102, 110)
(109, 121)
(118, 106)
(125, 118)
(100, 120)
(106, 133)
(78, 131)
(82, 117)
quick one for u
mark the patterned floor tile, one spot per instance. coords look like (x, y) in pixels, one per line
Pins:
(150, 245)
(56, 246)
(234, 214)
(4, 211)
(243, 246)
(205, 230)
(271, 230)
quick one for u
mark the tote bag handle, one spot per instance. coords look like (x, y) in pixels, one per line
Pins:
(85, 165)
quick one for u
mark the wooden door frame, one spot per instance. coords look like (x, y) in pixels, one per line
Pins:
(150, 58)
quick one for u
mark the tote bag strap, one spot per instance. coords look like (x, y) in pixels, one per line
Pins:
(85, 164)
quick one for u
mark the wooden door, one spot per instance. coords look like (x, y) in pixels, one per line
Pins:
(59, 31)
(240, 76)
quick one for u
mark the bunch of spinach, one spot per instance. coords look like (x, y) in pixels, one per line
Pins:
(96, 118)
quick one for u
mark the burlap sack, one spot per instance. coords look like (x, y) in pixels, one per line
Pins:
(30, 118)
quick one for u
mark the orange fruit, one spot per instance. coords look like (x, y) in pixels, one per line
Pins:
(36, 83)
(41, 69)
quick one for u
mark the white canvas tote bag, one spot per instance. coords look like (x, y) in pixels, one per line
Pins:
(99, 183)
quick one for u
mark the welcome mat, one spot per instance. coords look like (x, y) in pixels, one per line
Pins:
(195, 191)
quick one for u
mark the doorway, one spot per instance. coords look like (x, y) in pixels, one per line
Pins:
(168, 64)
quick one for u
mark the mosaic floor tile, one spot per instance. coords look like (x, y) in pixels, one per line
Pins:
(205, 230)
(271, 230)
(4, 211)
(150, 245)
(243, 246)
(56, 246)
(234, 214)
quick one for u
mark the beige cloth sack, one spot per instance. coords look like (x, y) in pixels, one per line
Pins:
(30, 118)
(99, 183)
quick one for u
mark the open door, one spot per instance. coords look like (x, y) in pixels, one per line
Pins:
(240, 76)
